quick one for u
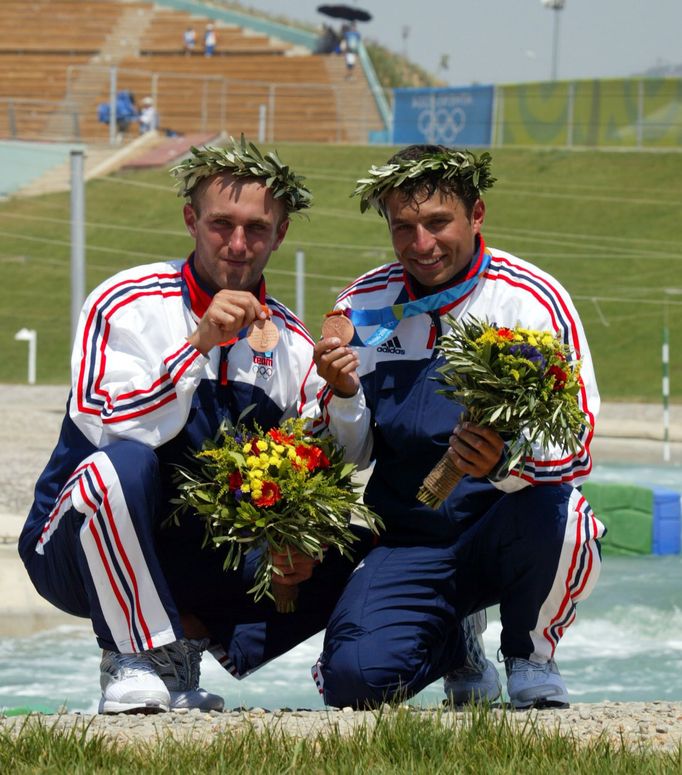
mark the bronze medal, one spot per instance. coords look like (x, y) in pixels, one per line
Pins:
(262, 335)
(338, 325)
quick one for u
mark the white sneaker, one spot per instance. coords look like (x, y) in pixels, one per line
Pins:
(535, 685)
(178, 664)
(469, 684)
(130, 684)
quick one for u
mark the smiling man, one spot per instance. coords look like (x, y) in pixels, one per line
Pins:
(524, 539)
(161, 359)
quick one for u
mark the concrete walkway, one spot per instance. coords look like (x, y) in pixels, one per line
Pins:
(30, 418)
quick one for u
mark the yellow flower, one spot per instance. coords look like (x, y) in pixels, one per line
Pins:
(256, 494)
(246, 448)
(275, 460)
(291, 453)
(547, 339)
(489, 336)
(256, 474)
(262, 445)
(278, 448)
(252, 461)
(515, 374)
(246, 487)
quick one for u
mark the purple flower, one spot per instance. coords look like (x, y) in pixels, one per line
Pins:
(530, 353)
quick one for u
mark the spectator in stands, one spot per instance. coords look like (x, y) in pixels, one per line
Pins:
(126, 111)
(148, 118)
(209, 40)
(189, 40)
(329, 42)
(350, 45)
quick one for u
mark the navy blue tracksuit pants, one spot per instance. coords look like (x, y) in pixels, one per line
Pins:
(102, 553)
(396, 627)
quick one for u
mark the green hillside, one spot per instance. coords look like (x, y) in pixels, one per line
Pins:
(606, 225)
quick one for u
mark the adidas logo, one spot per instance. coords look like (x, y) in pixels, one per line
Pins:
(392, 347)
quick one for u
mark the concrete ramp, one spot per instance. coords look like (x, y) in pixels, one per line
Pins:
(169, 150)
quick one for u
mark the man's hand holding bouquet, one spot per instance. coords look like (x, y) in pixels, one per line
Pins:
(282, 492)
(522, 383)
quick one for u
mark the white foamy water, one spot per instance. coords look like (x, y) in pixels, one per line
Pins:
(625, 645)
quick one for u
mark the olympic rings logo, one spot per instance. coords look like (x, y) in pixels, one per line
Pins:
(441, 126)
(264, 372)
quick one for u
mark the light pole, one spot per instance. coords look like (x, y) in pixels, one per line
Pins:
(406, 35)
(556, 6)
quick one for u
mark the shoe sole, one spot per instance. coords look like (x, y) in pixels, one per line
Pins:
(196, 700)
(111, 708)
(540, 704)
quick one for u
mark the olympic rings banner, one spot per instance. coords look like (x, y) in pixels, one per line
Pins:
(443, 116)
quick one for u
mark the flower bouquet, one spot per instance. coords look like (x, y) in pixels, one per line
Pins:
(520, 382)
(274, 491)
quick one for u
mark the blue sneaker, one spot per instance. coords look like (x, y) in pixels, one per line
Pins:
(535, 685)
(469, 684)
(477, 680)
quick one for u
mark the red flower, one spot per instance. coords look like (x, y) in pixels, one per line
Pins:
(505, 333)
(280, 438)
(235, 480)
(271, 494)
(312, 457)
(560, 377)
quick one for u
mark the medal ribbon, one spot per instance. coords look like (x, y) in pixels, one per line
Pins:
(386, 319)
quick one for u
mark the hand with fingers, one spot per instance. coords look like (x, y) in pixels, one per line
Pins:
(475, 449)
(293, 566)
(337, 364)
(228, 313)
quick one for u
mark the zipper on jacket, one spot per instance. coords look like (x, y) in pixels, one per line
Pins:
(222, 366)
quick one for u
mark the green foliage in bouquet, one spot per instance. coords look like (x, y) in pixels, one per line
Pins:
(521, 382)
(276, 491)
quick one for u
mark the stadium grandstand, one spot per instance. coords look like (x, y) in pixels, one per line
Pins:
(62, 59)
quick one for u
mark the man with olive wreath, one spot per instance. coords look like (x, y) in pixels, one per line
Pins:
(524, 538)
(163, 354)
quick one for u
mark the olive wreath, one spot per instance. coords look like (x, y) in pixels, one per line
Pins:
(471, 172)
(243, 159)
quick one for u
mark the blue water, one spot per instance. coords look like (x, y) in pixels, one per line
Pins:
(626, 645)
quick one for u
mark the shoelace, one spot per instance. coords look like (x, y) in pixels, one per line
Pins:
(129, 663)
(180, 660)
(475, 656)
(520, 665)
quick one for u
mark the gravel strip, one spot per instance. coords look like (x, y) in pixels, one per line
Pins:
(654, 725)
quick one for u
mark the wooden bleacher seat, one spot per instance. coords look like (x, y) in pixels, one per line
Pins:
(55, 50)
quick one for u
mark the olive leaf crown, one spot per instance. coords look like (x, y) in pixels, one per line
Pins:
(243, 160)
(468, 174)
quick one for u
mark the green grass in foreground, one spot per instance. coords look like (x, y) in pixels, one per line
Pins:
(400, 743)
(605, 224)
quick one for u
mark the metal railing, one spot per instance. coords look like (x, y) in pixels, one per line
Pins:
(188, 103)
(28, 119)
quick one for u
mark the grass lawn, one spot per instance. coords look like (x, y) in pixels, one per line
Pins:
(607, 225)
(397, 743)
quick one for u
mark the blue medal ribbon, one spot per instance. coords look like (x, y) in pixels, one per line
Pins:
(386, 319)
